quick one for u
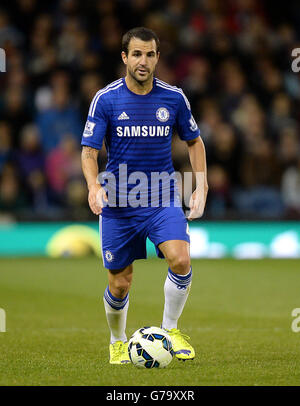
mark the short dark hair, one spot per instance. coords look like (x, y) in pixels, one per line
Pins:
(145, 34)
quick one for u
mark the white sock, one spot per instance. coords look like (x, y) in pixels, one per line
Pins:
(176, 288)
(116, 315)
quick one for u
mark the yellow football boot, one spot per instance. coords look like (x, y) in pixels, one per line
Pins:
(182, 349)
(118, 353)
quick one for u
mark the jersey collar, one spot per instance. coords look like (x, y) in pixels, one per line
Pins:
(140, 95)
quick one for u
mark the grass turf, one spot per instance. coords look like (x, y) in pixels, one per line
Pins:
(238, 316)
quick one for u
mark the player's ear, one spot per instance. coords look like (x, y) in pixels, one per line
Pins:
(124, 57)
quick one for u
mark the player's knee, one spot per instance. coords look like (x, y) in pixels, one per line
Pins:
(180, 264)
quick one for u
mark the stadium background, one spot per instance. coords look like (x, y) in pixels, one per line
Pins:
(233, 60)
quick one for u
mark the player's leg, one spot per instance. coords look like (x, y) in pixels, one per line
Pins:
(178, 280)
(122, 243)
(168, 230)
(116, 302)
(176, 289)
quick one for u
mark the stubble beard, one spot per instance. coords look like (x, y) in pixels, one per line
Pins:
(141, 82)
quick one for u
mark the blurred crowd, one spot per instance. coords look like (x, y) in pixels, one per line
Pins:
(232, 59)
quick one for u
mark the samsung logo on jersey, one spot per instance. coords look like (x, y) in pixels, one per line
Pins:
(144, 131)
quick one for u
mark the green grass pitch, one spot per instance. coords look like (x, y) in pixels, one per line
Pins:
(238, 316)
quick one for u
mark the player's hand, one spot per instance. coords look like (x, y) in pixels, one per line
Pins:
(97, 197)
(197, 202)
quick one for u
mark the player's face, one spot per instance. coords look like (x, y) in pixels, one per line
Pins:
(141, 59)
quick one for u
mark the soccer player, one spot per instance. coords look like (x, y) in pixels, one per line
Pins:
(135, 117)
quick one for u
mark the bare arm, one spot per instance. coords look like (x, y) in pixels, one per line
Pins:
(89, 165)
(90, 170)
(197, 156)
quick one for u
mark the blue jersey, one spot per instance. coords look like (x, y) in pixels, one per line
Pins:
(137, 131)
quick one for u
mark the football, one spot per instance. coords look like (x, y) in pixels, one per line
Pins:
(150, 347)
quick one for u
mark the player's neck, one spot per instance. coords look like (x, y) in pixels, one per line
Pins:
(141, 88)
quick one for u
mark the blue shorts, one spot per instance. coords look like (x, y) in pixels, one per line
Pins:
(123, 240)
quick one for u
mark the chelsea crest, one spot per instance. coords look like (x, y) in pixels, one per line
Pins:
(162, 114)
(108, 256)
